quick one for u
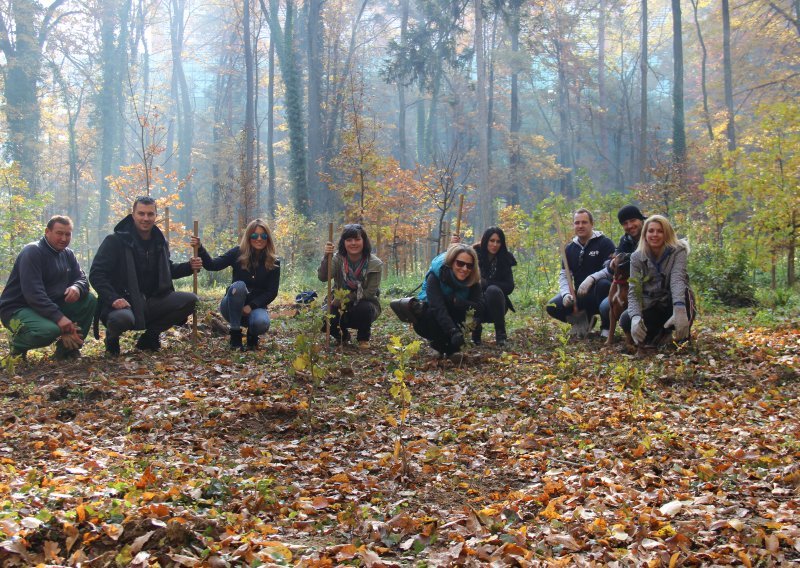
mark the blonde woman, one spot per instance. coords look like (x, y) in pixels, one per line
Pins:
(451, 287)
(659, 297)
(256, 276)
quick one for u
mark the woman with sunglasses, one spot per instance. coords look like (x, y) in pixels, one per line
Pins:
(256, 276)
(451, 288)
(357, 270)
(497, 281)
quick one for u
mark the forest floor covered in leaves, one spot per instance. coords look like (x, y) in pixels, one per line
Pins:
(545, 453)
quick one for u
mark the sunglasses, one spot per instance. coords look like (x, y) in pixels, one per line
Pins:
(580, 258)
(462, 264)
(262, 236)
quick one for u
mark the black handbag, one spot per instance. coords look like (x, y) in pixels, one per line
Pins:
(408, 310)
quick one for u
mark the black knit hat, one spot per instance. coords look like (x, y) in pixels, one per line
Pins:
(629, 212)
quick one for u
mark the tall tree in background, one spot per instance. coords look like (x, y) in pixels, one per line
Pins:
(183, 104)
(290, 72)
(314, 45)
(678, 119)
(644, 66)
(248, 201)
(703, 71)
(113, 37)
(515, 122)
(22, 40)
(484, 217)
(430, 50)
(728, 72)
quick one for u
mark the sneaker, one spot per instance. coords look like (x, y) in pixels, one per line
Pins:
(363, 344)
(604, 333)
(112, 346)
(149, 341)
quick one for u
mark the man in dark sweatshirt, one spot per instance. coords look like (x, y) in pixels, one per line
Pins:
(586, 254)
(47, 297)
(132, 274)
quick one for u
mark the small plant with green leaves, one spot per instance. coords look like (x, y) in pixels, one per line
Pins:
(401, 394)
(10, 361)
(341, 298)
(309, 354)
(630, 377)
(308, 348)
(565, 363)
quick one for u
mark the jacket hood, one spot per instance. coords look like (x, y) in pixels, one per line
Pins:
(595, 235)
(126, 229)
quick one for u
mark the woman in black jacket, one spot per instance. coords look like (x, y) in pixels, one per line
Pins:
(451, 287)
(497, 281)
(256, 276)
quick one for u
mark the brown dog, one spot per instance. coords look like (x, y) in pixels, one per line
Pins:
(618, 294)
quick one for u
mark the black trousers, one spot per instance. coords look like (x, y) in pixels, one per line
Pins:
(160, 314)
(590, 303)
(656, 316)
(358, 317)
(495, 311)
(429, 328)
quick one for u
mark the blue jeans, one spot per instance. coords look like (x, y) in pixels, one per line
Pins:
(231, 306)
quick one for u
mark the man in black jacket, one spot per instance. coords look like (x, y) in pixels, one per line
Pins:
(631, 219)
(586, 254)
(133, 274)
(47, 295)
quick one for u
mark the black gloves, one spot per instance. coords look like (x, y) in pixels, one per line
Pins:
(456, 339)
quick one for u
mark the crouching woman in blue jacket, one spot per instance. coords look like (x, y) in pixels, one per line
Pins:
(451, 287)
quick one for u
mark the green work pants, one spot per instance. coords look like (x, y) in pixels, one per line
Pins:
(37, 331)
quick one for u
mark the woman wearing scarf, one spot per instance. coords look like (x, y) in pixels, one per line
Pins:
(451, 288)
(358, 271)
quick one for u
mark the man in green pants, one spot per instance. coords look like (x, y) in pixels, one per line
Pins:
(47, 295)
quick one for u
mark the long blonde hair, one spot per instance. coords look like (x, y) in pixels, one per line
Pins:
(457, 249)
(670, 240)
(246, 252)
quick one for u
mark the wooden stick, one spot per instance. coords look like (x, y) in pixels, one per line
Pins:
(194, 287)
(460, 213)
(166, 225)
(330, 299)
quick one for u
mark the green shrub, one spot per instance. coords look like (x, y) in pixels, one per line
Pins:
(723, 275)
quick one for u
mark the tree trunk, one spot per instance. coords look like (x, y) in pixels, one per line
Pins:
(726, 63)
(315, 135)
(271, 188)
(402, 143)
(184, 107)
(422, 156)
(484, 217)
(601, 75)
(23, 56)
(643, 65)
(703, 86)
(113, 18)
(678, 119)
(292, 79)
(565, 137)
(514, 122)
(247, 205)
